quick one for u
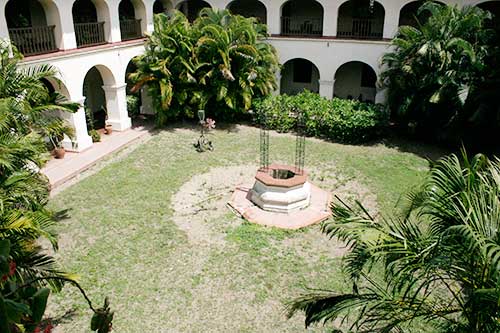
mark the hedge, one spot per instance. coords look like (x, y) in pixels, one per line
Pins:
(340, 120)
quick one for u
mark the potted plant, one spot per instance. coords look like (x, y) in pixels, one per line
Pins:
(108, 129)
(55, 130)
(95, 135)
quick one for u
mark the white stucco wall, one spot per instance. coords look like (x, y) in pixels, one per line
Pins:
(112, 64)
(329, 55)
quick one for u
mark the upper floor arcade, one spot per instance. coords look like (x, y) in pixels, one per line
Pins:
(45, 26)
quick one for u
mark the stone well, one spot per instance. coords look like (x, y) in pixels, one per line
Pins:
(281, 189)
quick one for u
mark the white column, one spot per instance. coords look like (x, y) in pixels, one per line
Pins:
(149, 15)
(326, 89)
(147, 106)
(218, 4)
(391, 21)
(116, 105)
(78, 120)
(65, 24)
(4, 29)
(381, 96)
(274, 18)
(330, 18)
(278, 84)
(112, 19)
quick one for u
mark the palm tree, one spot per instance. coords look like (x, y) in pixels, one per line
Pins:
(167, 61)
(220, 62)
(26, 120)
(32, 106)
(237, 64)
(435, 69)
(440, 257)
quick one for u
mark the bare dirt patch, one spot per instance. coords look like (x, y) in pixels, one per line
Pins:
(201, 204)
(347, 189)
(204, 198)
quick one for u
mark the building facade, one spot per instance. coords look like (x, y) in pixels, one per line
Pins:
(332, 47)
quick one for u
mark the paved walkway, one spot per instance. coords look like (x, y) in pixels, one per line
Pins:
(60, 171)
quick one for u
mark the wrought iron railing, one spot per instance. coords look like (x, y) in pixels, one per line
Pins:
(130, 29)
(360, 29)
(301, 26)
(34, 40)
(90, 33)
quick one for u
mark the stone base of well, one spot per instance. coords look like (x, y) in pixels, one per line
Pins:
(281, 189)
(282, 197)
(317, 211)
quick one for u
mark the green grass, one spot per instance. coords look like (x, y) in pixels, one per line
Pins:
(123, 242)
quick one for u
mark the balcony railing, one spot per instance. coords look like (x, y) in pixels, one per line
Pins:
(361, 29)
(130, 29)
(301, 26)
(34, 40)
(88, 34)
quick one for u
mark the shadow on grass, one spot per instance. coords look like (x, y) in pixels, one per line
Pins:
(66, 317)
(427, 151)
(392, 140)
(195, 126)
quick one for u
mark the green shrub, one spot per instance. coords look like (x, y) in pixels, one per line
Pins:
(133, 106)
(94, 134)
(218, 63)
(338, 120)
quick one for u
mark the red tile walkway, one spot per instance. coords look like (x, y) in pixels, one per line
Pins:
(60, 171)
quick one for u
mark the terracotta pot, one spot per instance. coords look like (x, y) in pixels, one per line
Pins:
(59, 153)
(108, 129)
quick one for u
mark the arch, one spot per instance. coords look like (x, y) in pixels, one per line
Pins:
(58, 86)
(191, 8)
(91, 22)
(162, 6)
(355, 80)
(29, 28)
(126, 10)
(299, 74)
(132, 19)
(107, 75)
(50, 87)
(96, 78)
(25, 13)
(408, 15)
(252, 8)
(357, 20)
(302, 18)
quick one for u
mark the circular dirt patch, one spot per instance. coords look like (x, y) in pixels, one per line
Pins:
(203, 199)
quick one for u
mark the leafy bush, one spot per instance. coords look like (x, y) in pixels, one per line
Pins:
(339, 120)
(443, 77)
(219, 63)
(95, 135)
(133, 106)
(439, 253)
(27, 270)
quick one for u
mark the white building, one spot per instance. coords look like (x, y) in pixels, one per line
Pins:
(329, 46)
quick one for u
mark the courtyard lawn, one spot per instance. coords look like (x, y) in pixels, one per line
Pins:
(152, 231)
